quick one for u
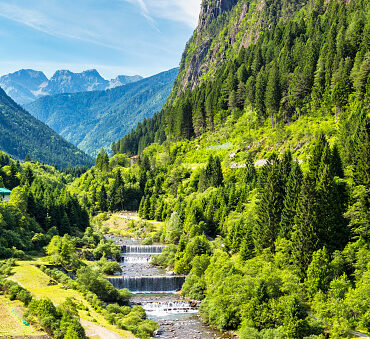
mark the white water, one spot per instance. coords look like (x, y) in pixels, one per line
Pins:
(148, 284)
(165, 308)
(147, 249)
(136, 260)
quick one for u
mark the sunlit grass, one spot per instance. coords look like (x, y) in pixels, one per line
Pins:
(39, 284)
(10, 324)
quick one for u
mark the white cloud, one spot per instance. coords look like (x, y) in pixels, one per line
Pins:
(40, 18)
(186, 11)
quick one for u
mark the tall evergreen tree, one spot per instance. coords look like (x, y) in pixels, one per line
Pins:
(292, 191)
(305, 236)
(269, 208)
(102, 199)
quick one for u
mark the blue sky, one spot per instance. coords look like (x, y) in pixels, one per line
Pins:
(114, 36)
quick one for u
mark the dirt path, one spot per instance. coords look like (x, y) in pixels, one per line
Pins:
(95, 331)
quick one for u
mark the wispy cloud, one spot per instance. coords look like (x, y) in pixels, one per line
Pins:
(39, 20)
(185, 11)
(144, 12)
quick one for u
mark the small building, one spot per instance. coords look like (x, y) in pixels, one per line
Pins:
(134, 160)
(4, 194)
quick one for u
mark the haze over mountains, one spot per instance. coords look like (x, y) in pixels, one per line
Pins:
(27, 85)
(95, 119)
(22, 134)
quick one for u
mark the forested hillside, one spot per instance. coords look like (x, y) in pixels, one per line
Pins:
(39, 208)
(259, 164)
(21, 134)
(92, 120)
(311, 61)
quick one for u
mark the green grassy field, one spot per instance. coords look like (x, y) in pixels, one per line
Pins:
(38, 283)
(126, 223)
(10, 324)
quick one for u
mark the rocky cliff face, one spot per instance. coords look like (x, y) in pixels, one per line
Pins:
(225, 26)
(200, 53)
(211, 9)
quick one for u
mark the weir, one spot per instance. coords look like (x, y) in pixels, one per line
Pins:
(168, 307)
(149, 249)
(135, 260)
(148, 284)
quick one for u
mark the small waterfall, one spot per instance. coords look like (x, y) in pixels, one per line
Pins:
(168, 307)
(135, 260)
(147, 249)
(148, 284)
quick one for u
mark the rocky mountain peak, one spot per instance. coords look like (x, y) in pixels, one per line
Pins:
(211, 9)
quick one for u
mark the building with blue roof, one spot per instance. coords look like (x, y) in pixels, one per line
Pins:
(4, 194)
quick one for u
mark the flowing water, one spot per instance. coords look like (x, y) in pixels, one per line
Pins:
(155, 290)
(145, 284)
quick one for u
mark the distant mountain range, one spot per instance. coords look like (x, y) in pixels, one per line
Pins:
(95, 119)
(22, 134)
(27, 85)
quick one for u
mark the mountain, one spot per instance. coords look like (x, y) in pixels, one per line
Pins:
(22, 134)
(267, 62)
(261, 168)
(25, 86)
(68, 82)
(122, 80)
(91, 120)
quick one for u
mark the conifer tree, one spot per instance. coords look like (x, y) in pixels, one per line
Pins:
(260, 95)
(27, 176)
(102, 199)
(316, 155)
(272, 100)
(102, 161)
(240, 96)
(232, 101)
(292, 191)
(305, 236)
(269, 206)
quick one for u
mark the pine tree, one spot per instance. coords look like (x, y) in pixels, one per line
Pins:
(102, 161)
(102, 199)
(292, 191)
(272, 101)
(259, 100)
(305, 235)
(316, 156)
(27, 176)
(240, 96)
(232, 101)
(269, 206)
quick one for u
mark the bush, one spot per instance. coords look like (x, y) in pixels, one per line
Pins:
(107, 249)
(96, 283)
(15, 291)
(147, 241)
(166, 258)
(58, 322)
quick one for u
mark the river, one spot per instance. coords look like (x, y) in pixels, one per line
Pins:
(158, 293)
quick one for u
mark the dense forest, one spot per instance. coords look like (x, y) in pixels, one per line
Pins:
(21, 135)
(312, 62)
(40, 207)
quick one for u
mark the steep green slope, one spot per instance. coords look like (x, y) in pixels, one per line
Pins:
(91, 120)
(308, 59)
(22, 134)
(259, 165)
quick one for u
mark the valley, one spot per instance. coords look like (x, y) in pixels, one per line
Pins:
(156, 291)
(226, 198)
